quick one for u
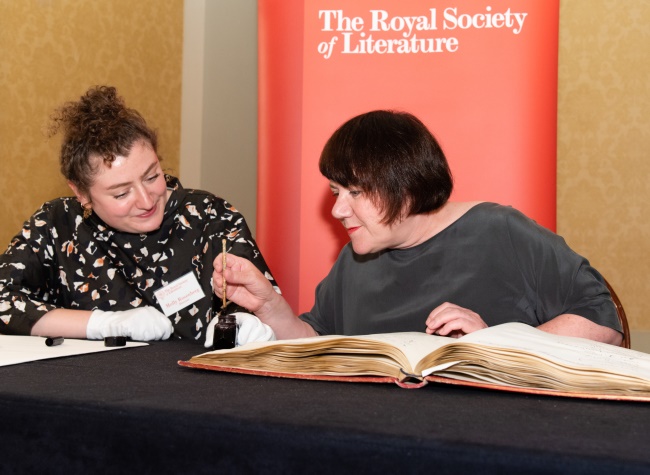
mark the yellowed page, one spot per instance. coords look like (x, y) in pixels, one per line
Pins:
(515, 354)
(512, 354)
(414, 345)
(381, 354)
(569, 351)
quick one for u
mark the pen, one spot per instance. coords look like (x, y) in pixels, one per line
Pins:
(53, 340)
(223, 265)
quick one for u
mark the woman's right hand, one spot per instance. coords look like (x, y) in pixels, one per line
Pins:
(245, 284)
(249, 288)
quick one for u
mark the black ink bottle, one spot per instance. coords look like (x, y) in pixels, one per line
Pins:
(225, 332)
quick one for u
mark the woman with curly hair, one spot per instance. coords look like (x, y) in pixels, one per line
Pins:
(132, 254)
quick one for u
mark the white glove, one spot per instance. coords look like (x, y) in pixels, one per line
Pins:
(141, 324)
(251, 329)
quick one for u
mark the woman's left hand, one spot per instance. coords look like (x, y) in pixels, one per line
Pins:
(250, 329)
(454, 321)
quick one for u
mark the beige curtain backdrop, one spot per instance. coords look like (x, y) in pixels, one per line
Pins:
(52, 50)
(603, 143)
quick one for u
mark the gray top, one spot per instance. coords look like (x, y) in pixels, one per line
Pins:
(492, 260)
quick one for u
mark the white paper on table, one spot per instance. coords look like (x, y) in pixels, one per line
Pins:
(23, 349)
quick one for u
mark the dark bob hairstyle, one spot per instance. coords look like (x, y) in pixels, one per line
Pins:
(393, 157)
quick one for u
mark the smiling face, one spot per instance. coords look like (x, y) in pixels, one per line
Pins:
(131, 194)
(362, 219)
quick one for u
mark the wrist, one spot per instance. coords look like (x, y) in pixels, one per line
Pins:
(97, 326)
(271, 307)
(277, 314)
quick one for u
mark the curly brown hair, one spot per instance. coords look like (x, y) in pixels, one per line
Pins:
(98, 125)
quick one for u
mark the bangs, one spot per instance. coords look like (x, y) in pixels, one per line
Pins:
(353, 155)
(394, 158)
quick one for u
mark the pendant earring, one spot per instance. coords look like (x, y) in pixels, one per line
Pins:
(88, 210)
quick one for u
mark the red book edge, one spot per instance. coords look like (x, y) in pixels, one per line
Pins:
(416, 385)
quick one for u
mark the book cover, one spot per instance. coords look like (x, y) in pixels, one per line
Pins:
(509, 357)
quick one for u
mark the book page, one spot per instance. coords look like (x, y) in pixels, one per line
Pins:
(564, 350)
(414, 345)
(381, 354)
(512, 354)
(518, 355)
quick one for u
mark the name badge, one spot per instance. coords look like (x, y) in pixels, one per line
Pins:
(179, 293)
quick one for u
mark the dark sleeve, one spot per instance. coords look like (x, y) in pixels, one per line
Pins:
(26, 270)
(328, 299)
(315, 317)
(558, 279)
(240, 241)
(230, 224)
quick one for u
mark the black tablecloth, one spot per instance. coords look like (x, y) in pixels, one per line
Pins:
(136, 411)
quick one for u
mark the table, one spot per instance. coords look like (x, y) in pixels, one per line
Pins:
(137, 411)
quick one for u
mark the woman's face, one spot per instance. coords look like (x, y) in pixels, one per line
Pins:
(362, 220)
(131, 194)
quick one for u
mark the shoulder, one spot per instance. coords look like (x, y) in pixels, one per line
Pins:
(497, 215)
(491, 211)
(207, 214)
(204, 204)
(523, 233)
(58, 212)
(479, 216)
(196, 202)
(494, 222)
(55, 219)
(205, 199)
(474, 211)
(66, 204)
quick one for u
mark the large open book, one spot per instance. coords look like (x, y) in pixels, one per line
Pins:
(512, 356)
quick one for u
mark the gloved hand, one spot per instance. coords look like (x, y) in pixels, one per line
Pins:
(251, 329)
(141, 324)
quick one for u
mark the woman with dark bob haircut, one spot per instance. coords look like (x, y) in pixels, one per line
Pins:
(393, 158)
(418, 262)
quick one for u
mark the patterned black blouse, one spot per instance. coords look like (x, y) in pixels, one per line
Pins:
(61, 260)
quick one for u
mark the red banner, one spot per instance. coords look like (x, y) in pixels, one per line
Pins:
(481, 74)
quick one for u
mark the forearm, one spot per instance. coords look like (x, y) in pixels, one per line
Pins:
(575, 325)
(62, 322)
(280, 317)
(141, 323)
